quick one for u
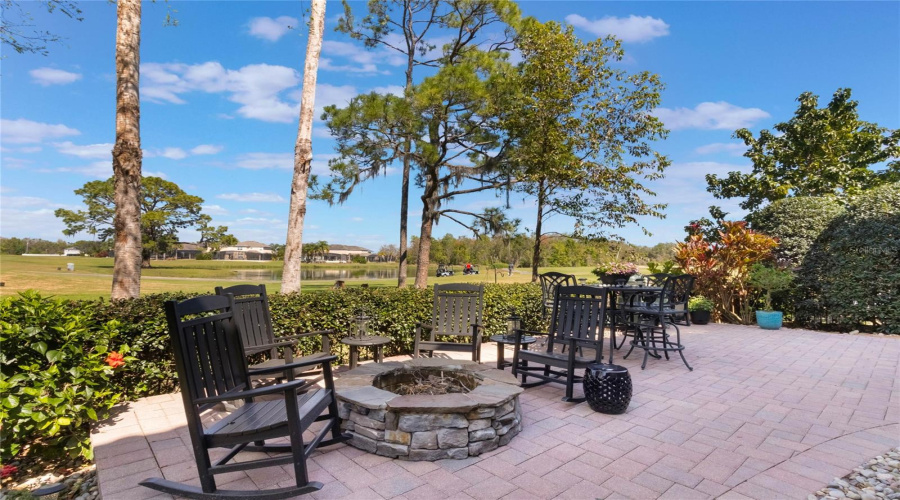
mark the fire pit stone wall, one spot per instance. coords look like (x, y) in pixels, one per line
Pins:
(429, 427)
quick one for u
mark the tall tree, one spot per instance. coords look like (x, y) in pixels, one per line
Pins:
(293, 250)
(582, 131)
(819, 151)
(442, 124)
(163, 210)
(413, 19)
(215, 237)
(126, 153)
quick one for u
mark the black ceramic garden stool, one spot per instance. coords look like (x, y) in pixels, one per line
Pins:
(607, 388)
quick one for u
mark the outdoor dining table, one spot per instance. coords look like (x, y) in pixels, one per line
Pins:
(626, 293)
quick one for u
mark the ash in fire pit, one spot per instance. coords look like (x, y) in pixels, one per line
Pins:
(429, 409)
(426, 380)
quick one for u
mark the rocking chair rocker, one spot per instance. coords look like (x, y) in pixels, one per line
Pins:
(212, 369)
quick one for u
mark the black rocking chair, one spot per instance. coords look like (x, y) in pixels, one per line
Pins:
(257, 335)
(578, 321)
(212, 369)
(457, 312)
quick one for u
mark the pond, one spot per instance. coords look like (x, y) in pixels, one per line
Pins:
(322, 274)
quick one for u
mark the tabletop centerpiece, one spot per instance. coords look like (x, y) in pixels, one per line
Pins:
(612, 272)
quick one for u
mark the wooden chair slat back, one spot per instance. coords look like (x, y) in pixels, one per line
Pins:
(209, 356)
(251, 313)
(456, 307)
(580, 312)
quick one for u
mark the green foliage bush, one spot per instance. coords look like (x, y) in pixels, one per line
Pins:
(700, 303)
(770, 280)
(796, 223)
(54, 376)
(851, 275)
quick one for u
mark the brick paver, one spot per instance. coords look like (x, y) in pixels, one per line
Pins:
(763, 415)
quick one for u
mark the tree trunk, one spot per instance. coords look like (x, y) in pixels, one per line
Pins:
(424, 255)
(293, 250)
(404, 217)
(536, 256)
(126, 153)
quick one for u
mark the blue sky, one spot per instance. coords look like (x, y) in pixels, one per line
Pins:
(220, 99)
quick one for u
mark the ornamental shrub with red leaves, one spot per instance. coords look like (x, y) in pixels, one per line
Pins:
(722, 269)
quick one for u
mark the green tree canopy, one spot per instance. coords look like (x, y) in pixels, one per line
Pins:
(820, 151)
(215, 237)
(165, 209)
(581, 131)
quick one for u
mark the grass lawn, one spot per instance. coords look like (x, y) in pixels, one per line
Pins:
(91, 278)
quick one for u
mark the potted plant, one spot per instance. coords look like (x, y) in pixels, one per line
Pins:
(769, 280)
(611, 272)
(700, 308)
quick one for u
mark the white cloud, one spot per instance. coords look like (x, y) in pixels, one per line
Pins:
(173, 153)
(270, 29)
(628, 29)
(732, 148)
(357, 219)
(24, 131)
(29, 216)
(256, 87)
(711, 116)
(206, 149)
(51, 76)
(259, 161)
(214, 210)
(103, 150)
(252, 197)
(98, 169)
(161, 175)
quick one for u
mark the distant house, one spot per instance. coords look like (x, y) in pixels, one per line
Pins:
(185, 250)
(71, 252)
(246, 250)
(344, 253)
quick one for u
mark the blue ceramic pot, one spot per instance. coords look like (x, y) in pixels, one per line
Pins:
(769, 320)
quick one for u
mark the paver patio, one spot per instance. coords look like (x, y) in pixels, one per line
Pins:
(764, 414)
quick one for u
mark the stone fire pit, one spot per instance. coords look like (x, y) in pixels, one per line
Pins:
(425, 426)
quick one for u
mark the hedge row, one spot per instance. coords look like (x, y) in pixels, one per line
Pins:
(60, 349)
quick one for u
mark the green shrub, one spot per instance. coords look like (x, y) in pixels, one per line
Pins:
(700, 303)
(851, 274)
(358, 259)
(796, 223)
(769, 280)
(55, 374)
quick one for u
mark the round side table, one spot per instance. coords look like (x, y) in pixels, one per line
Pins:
(373, 341)
(502, 340)
(607, 388)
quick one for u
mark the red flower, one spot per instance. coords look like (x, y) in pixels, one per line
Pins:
(8, 470)
(115, 359)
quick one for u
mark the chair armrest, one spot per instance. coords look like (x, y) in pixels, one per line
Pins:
(425, 326)
(266, 347)
(293, 385)
(290, 366)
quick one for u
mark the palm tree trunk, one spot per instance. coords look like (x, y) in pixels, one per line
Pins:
(293, 250)
(126, 153)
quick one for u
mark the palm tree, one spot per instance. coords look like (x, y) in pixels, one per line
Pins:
(126, 153)
(293, 251)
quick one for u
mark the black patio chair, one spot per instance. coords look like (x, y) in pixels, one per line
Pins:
(654, 315)
(457, 311)
(257, 335)
(578, 321)
(212, 369)
(549, 282)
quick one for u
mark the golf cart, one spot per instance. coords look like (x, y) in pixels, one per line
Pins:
(443, 270)
(470, 270)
